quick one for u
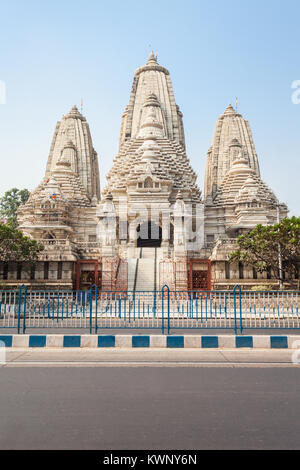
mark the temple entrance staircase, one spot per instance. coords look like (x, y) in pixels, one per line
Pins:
(143, 269)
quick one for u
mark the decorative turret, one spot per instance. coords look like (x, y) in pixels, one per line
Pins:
(242, 180)
(68, 156)
(243, 200)
(151, 121)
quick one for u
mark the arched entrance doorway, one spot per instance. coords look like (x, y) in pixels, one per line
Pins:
(149, 235)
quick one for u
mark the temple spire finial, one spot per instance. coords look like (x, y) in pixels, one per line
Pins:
(229, 109)
(152, 59)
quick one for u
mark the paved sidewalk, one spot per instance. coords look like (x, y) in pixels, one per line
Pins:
(146, 357)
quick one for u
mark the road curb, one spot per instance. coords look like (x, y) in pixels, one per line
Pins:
(150, 341)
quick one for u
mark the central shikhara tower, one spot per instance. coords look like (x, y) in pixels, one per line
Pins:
(151, 226)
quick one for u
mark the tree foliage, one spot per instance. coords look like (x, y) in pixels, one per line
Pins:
(261, 247)
(14, 246)
(10, 203)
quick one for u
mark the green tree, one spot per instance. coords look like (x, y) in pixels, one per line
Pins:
(10, 203)
(14, 246)
(261, 249)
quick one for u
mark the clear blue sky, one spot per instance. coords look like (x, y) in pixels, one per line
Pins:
(53, 53)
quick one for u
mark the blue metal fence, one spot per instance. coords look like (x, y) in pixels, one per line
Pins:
(165, 310)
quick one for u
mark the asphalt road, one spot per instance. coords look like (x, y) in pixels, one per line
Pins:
(149, 408)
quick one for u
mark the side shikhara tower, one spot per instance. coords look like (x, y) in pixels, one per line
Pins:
(236, 198)
(232, 136)
(72, 139)
(61, 211)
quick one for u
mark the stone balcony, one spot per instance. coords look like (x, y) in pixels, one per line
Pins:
(88, 249)
(227, 241)
(58, 250)
(55, 242)
(223, 248)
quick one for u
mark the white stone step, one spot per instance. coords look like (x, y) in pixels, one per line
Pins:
(131, 273)
(145, 275)
(148, 253)
(133, 252)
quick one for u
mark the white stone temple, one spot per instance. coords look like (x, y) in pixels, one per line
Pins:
(150, 226)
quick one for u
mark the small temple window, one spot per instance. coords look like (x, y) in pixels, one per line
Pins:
(32, 272)
(19, 271)
(5, 271)
(227, 269)
(148, 183)
(46, 270)
(59, 270)
(241, 271)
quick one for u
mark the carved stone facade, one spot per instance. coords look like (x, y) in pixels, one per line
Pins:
(151, 225)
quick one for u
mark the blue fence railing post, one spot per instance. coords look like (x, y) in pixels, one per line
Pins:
(24, 310)
(20, 307)
(237, 287)
(91, 310)
(94, 287)
(163, 308)
(241, 312)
